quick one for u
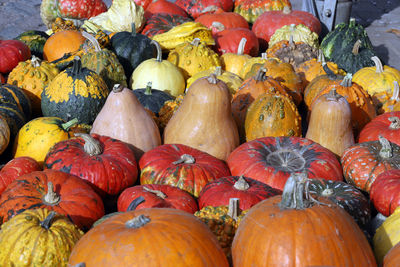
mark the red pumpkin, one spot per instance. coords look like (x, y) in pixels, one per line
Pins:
(387, 125)
(15, 168)
(363, 162)
(157, 196)
(11, 53)
(249, 191)
(227, 41)
(221, 20)
(267, 23)
(272, 160)
(197, 7)
(55, 190)
(164, 6)
(162, 22)
(78, 9)
(179, 165)
(385, 192)
(143, 3)
(109, 165)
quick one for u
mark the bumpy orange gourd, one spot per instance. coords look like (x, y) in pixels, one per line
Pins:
(234, 62)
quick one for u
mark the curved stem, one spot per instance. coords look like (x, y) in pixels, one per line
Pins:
(67, 125)
(147, 91)
(347, 80)
(76, 65)
(291, 41)
(92, 40)
(133, 27)
(195, 42)
(264, 56)
(386, 150)
(218, 25)
(117, 88)
(396, 91)
(51, 197)
(378, 64)
(212, 78)
(91, 146)
(328, 71)
(242, 44)
(327, 192)
(352, 22)
(293, 192)
(185, 158)
(260, 76)
(333, 95)
(394, 123)
(218, 71)
(46, 223)
(356, 47)
(241, 184)
(159, 51)
(156, 192)
(233, 208)
(35, 61)
(136, 202)
(286, 10)
(138, 221)
(321, 57)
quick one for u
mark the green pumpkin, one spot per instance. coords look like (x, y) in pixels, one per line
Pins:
(104, 62)
(35, 40)
(152, 99)
(131, 49)
(15, 95)
(356, 59)
(75, 93)
(342, 39)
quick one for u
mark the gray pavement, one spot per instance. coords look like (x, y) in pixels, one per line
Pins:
(378, 16)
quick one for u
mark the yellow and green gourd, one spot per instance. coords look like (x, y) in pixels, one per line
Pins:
(299, 33)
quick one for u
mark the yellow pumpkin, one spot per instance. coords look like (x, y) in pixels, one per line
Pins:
(37, 136)
(37, 237)
(193, 57)
(33, 76)
(234, 62)
(299, 33)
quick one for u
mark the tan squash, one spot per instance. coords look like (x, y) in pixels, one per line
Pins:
(330, 123)
(204, 120)
(234, 62)
(124, 118)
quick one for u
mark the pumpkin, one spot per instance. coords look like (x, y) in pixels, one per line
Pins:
(251, 64)
(124, 118)
(247, 190)
(32, 76)
(330, 122)
(233, 62)
(222, 19)
(182, 166)
(206, 98)
(182, 33)
(76, 92)
(131, 49)
(38, 236)
(4, 134)
(162, 22)
(55, 190)
(109, 165)
(276, 232)
(185, 242)
(386, 125)
(157, 196)
(228, 40)
(267, 23)
(272, 160)
(162, 74)
(12, 52)
(16, 167)
(165, 9)
(11, 94)
(104, 62)
(345, 196)
(152, 99)
(13, 116)
(298, 33)
(251, 10)
(62, 42)
(384, 192)
(362, 108)
(363, 162)
(196, 8)
(35, 40)
(377, 80)
(193, 57)
(391, 259)
(272, 114)
(37, 136)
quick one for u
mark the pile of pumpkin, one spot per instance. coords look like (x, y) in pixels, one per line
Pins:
(196, 133)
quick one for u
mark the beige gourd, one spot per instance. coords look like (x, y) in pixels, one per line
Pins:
(124, 118)
(204, 119)
(330, 123)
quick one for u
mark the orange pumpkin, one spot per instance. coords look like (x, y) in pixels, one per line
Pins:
(62, 42)
(392, 258)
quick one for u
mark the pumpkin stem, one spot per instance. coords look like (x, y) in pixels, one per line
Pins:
(117, 88)
(352, 22)
(185, 158)
(242, 44)
(159, 51)
(212, 78)
(327, 192)
(241, 184)
(396, 90)
(356, 47)
(46, 223)
(76, 65)
(136, 202)
(347, 80)
(156, 192)
(67, 125)
(293, 192)
(233, 208)
(328, 71)
(218, 25)
(92, 40)
(218, 71)
(35, 61)
(51, 197)
(386, 150)
(291, 42)
(138, 221)
(260, 76)
(378, 64)
(286, 10)
(133, 28)
(195, 42)
(321, 57)
(333, 95)
(91, 146)
(147, 91)
(395, 123)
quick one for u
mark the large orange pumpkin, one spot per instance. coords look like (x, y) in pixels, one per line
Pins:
(62, 42)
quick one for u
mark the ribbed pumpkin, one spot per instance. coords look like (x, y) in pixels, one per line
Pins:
(386, 125)
(276, 232)
(38, 237)
(62, 42)
(76, 92)
(182, 166)
(163, 8)
(185, 241)
(228, 40)
(384, 193)
(297, 33)
(162, 22)
(33, 76)
(162, 74)
(272, 115)
(233, 62)
(11, 53)
(37, 136)
(220, 17)
(193, 57)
